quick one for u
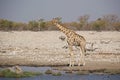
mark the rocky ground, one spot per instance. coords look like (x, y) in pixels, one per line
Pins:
(45, 48)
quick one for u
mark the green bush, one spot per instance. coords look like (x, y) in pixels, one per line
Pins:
(56, 74)
(8, 73)
(48, 71)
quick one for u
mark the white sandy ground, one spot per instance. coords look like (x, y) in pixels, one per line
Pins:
(107, 42)
(45, 47)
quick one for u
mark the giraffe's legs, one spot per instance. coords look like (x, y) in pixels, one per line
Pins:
(80, 59)
(71, 61)
(82, 56)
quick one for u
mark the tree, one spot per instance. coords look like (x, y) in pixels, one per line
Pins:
(110, 19)
(33, 25)
(42, 24)
(117, 26)
(83, 21)
(74, 25)
(6, 25)
(98, 25)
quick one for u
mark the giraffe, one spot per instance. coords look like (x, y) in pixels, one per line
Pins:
(73, 39)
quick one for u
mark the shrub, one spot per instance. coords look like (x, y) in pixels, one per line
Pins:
(48, 72)
(56, 74)
(8, 73)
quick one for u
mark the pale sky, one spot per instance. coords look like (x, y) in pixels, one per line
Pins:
(69, 10)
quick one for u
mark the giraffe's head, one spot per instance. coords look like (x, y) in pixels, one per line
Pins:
(56, 20)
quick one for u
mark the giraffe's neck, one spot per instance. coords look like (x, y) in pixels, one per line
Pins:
(63, 29)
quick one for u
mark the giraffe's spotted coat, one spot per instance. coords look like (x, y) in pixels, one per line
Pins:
(73, 39)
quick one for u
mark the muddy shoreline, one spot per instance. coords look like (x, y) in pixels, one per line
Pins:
(91, 64)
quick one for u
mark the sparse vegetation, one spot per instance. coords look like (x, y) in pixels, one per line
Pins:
(106, 22)
(99, 71)
(56, 74)
(53, 73)
(48, 71)
(8, 73)
(112, 71)
(83, 72)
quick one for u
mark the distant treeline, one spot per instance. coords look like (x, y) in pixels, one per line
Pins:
(105, 23)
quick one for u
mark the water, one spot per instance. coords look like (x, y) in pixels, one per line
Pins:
(63, 76)
(69, 77)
